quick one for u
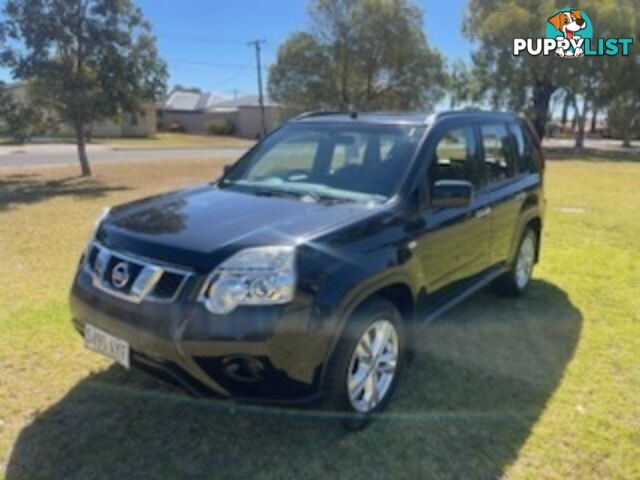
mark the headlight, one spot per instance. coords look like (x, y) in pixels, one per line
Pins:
(96, 225)
(255, 276)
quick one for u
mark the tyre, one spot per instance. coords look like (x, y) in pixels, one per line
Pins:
(516, 280)
(364, 368)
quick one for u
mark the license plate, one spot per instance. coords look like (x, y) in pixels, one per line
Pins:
(101, 342)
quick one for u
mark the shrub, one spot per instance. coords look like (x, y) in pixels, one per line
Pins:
(220, 127)
(21, 122)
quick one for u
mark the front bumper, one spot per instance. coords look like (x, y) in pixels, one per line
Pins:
(257, 354)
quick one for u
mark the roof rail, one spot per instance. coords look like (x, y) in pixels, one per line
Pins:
(321, 113)
(471, 111)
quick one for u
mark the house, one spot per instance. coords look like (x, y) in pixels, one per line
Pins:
(143, 124)
(194, 112)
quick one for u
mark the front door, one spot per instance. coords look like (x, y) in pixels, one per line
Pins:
(454, 245)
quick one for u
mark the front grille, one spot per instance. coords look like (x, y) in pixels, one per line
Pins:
(132, 278)
(92, 256)
(167, 285)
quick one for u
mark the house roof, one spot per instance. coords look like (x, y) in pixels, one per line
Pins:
(186, 101)
(182, 100)
(208, 100)
(244, 101)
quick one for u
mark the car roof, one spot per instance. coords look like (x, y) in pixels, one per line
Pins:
(394, 118)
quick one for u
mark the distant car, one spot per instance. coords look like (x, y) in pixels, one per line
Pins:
(299, 275)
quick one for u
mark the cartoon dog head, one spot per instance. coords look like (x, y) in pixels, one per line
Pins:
(568, 22)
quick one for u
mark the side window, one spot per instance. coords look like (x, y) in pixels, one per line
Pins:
(348, 150)
(524, 148)
(455, 156)
(498, 156)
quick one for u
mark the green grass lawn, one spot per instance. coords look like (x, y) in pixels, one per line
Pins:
(546, 386)
(176, 140)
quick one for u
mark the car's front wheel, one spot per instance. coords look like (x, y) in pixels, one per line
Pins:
(364, 369)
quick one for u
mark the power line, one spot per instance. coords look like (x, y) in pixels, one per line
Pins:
(224, 81)
(256, 44)
(197, 38)
(228, 66)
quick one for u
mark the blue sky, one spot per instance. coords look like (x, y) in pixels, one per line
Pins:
(204, 41)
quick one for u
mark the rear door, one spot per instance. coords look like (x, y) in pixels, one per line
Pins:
(501, 184)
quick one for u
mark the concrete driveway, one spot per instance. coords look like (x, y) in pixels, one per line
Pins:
(59, 154)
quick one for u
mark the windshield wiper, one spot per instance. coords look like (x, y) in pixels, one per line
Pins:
(268, 191)
(288, 193)
(327, 197)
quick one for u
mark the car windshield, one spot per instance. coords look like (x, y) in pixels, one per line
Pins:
(329, 162)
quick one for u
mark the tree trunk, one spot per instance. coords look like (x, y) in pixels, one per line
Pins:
(594, 120)
(82, 149)
(626, 136)
(582, 120)
(630, 115)
(542, 92)
(565, 109)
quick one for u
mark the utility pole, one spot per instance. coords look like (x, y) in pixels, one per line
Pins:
(256, 44)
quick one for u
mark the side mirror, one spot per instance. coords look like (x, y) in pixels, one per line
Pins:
(451, 194)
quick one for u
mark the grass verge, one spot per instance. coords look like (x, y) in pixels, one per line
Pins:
(176, 140)
(545, 386)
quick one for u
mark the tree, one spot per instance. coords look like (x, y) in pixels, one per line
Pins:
(524, 82)
(182, 88)
(460, 85)
(21, 119)
(87, 60)
(360, 54)
(586, 85)
(620, 86)
(569, 100)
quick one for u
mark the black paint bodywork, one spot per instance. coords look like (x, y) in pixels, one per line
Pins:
(423, 259)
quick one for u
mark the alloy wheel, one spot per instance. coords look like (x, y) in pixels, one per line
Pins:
(525, 261)
(373, 366)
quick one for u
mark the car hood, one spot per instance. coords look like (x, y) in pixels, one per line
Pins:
(202, 226)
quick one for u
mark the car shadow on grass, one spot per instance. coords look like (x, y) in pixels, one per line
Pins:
(27, 188)
(464, 408)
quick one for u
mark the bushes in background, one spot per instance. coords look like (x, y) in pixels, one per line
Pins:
(220, 127)
(21, 123)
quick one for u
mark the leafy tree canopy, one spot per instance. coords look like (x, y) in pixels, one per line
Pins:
(359, 54)
(526, 83)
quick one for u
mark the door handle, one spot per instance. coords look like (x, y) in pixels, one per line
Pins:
(483, 212)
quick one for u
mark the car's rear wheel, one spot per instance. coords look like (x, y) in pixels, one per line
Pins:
(364, 369)
(517, 279)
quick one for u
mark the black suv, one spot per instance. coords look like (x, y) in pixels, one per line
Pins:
(299, 274)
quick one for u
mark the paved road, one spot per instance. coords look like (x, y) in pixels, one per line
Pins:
(47, 155)
(599, 144)
(64, 154)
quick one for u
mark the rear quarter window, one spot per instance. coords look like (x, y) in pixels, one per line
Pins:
(537, 158)
(529, 158)
(498, 155)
